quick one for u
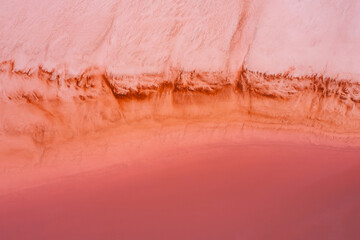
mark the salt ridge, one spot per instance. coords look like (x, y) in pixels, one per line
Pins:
(135, 37)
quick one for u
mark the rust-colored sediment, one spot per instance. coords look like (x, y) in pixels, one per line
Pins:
(49, 106)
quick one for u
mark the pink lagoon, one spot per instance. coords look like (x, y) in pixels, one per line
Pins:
(180, 119)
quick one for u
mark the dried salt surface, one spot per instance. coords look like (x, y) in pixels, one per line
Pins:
(128, 119)
(127, 37)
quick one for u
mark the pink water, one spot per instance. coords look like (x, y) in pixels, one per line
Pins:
(219, 191)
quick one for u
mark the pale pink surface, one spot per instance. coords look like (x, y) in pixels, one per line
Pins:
(134, 37)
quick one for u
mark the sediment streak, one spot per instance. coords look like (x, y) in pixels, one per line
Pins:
(49, 107)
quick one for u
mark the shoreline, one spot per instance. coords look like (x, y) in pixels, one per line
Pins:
(205, 191)
(32, 164)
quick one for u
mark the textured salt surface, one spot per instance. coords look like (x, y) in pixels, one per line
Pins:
(134, 37)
